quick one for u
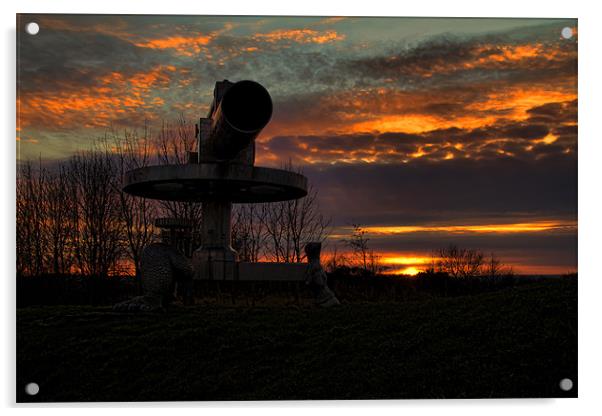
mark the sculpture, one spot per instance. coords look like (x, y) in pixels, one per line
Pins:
(316, 278)
(162, 267)
(220, 173)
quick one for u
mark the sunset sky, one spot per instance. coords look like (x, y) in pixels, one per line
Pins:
(425, 131)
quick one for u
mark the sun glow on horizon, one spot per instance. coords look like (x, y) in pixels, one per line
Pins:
(410, 264)
(408, 271)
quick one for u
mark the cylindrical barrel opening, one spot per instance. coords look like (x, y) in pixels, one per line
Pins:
(247, 106)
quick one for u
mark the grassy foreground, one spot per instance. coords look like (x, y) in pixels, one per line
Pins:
(518, 342)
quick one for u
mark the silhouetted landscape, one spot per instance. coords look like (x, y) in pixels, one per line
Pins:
(514, 342)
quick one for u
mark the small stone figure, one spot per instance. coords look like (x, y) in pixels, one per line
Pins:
(316, 278)
(162, 265)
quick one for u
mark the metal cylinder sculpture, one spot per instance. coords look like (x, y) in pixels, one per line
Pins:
(221, 173)
(242, 112)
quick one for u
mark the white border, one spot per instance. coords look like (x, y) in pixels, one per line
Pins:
(590, 275)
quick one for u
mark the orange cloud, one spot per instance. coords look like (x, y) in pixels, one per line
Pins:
(516, 101)
(115, 95)
(299, 36)
(386, 109)
(381, 110)
(529, 54)
(418, 123)
(512, 102)
(404, 260)
(523, 227)
(183, 45)
(487, 57)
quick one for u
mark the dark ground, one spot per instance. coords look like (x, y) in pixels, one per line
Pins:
(515, 342)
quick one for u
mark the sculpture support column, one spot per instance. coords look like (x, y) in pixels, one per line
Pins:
(215, 259)
(216, 226)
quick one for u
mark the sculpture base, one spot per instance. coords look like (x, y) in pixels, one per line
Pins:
(214, 263)
(280, 272)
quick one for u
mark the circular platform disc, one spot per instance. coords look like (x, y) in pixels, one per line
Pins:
(211, 181)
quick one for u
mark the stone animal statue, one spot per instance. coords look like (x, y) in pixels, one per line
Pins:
(161, 267)
(316, 278)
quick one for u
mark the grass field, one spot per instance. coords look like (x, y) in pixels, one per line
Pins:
(517, 342)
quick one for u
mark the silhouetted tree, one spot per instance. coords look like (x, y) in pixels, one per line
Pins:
(290, 225)
(173, 144)
(460, 262)
(362, 256)
(336, 260)
(465, 263)
(248, 232)
(358, 243)
(136, 213)
(30, 220)
(493, 267)
(98, 240)
(60, 225)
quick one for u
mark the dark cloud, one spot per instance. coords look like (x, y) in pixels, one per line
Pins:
(448, 59)
(525, 131)
(425, 57)
(423, 190)
(556, 112)
(64, 60)
(564, 130)
(518, 245)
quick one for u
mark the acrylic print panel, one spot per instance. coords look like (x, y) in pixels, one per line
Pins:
(271, 208)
